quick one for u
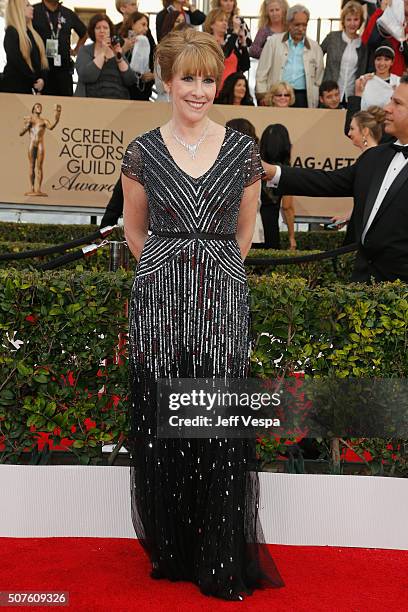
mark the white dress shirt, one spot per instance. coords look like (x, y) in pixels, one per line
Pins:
(398, 162)
(348, 66)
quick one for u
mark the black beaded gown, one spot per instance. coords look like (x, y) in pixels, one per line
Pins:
(194, 502)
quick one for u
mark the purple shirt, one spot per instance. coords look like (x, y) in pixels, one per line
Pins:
(255, 49)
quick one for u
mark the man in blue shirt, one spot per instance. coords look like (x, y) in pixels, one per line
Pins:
(294, 58)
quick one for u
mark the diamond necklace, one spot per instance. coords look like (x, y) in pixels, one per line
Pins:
(191, 148)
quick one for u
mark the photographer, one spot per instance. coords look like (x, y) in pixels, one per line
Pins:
(234, 45)
(102, 70)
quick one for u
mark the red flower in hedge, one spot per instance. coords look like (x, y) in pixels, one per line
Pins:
(89, 424)
(32, 318)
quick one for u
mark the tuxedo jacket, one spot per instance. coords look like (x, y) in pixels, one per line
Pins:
(384, 254)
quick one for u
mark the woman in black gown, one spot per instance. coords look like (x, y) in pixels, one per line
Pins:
(27, 64)
(194, 501)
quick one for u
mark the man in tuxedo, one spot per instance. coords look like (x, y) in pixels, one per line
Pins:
(378, 182)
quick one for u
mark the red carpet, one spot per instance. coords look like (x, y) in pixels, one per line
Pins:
(109, 575)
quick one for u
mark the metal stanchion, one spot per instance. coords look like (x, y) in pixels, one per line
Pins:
(119, 256)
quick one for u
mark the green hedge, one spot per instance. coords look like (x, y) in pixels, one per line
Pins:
(316, 273)
(49, 233)
(70, 322)
(59, 234)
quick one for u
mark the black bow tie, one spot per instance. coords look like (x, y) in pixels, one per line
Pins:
(400, 149)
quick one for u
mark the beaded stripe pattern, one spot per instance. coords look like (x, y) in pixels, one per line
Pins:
(194, 502)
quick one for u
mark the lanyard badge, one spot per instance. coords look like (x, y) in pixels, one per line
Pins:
(51, 47)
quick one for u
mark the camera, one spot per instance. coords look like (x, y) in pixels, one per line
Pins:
(243, 27)
(117, 40)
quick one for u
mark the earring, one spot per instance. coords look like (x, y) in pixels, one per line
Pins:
(168, 96)
(365, 142)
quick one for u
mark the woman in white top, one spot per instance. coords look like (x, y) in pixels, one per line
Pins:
(380, 86)
(346, 56)
(140, 56)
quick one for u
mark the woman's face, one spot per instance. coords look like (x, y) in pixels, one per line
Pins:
(192, 96)
(180, 19)
(102, 31)
(239, 90)
(351, 24)
(220, 26)
(28, 12)
(128, 8)
(227, 6)
(383, 66)
(141, 26)
(355, 134)
(275, 12)
(281, 98)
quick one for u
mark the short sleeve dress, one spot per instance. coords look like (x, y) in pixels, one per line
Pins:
(195, 501)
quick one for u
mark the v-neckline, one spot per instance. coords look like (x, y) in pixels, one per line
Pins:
(193, 178)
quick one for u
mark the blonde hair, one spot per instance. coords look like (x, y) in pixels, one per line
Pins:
(263, 13)
(15, 17)
(373, 118)
(351, 8)
(189, 52)
(211, 18)
(216, 4)
(268, 98)
(120, 3)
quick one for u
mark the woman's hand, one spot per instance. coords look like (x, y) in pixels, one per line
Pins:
(148, 76)
(106, 48)
(361, 82)
(39, 85)
(242, 36)
(117, 49)
(189, 6)
(292, 244)
(236, 24)
(128, 44)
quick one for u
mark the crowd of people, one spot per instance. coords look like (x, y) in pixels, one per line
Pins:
(363, 55)
(355, 68)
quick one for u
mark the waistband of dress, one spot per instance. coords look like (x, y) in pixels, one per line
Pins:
(195, 235)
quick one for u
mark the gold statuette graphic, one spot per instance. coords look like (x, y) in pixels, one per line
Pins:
(36, 126)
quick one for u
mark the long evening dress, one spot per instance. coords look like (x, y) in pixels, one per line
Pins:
(194, 502)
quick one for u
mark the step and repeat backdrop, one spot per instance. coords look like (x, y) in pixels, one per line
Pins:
(68, 151)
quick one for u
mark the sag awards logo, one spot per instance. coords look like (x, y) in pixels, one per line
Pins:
(87, 154)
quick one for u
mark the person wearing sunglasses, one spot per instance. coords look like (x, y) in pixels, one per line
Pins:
(280, 95)
(292, 57)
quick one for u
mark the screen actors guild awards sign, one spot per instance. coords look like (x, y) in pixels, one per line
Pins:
(76, 146)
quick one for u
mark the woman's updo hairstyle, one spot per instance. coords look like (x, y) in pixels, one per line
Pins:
(189, 52)
(373, 118)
